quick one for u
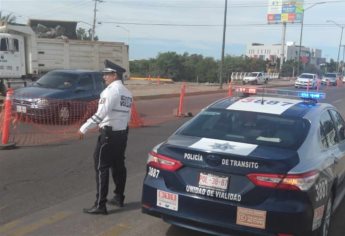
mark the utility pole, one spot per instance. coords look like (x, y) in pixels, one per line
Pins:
(282, 53)
(94, 19)
(223, 47)
(343, 57)
(341, 37)
(301, 33)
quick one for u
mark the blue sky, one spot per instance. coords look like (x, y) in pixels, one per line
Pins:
(192, 26)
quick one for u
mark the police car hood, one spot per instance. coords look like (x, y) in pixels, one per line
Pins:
(236, 157)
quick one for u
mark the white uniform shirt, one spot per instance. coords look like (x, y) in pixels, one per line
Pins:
(114, 108)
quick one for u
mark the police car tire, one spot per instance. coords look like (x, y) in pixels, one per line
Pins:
(326, 220)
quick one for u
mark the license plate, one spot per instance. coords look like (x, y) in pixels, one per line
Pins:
(167, 200)
(213, 181)
(251, 218)
(21, 109)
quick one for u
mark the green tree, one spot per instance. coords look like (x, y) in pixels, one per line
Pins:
(331, 66)
(9, 18)
(289, 68)
(83, 34)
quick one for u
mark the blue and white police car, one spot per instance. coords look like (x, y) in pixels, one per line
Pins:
(253, 165)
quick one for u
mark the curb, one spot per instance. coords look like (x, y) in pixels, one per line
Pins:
(171, 95)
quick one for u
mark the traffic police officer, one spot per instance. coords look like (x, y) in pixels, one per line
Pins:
(112, 117)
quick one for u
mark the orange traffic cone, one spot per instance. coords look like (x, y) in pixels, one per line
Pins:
(135, 121)
(180, 106)
(230, 90)
(7, 121)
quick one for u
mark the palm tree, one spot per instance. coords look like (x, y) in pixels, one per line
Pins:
(10, 18)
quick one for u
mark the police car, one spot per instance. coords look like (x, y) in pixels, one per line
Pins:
(252, 165)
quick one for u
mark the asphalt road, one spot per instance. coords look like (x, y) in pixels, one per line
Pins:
(43, 189)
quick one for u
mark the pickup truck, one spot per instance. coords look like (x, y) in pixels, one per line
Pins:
(255, 78)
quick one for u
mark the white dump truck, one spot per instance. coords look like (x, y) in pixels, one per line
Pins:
(26, 52)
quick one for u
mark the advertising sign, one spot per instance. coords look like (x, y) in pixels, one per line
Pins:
(284, 11)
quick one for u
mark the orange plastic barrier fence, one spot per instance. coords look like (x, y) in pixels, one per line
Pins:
(42, 121)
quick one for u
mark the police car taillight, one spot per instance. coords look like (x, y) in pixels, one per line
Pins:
(297, 182)
(163, 162)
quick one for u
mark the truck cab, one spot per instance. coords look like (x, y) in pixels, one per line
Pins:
(12, 56)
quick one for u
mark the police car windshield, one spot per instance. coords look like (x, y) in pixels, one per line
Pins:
(248, 127)
(57, 80)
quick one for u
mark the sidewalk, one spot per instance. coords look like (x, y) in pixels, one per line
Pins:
(151, 90)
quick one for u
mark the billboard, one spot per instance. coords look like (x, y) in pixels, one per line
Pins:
(284, 11)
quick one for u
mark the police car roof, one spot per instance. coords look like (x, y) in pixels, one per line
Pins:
(272, 105)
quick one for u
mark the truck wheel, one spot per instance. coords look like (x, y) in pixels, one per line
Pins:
(326, 220)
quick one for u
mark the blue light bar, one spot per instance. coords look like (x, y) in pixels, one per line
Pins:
(312, 95)
(280, 92)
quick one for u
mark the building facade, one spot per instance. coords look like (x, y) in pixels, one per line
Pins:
(273, 52)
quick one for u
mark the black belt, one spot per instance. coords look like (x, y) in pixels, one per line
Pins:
(109, 130)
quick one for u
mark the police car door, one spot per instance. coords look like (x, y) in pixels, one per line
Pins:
(340, 151)
(329, 140)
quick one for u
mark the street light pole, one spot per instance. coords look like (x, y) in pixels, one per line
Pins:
(343, 57)
(341, 38)
(223, 48)
(301, 34)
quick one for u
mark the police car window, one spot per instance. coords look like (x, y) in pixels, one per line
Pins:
(328, 129)
(323, 137)
(339, 124)
(248, 127)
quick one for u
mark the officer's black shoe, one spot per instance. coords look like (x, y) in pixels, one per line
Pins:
(117, 200)
(96, 210)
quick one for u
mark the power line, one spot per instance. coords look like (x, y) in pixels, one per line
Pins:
(213, 25)
(231, 5)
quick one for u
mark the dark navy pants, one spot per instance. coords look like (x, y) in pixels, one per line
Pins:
(110, 155)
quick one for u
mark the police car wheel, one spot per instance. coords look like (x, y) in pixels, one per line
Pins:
(64, 113)
(326, 221)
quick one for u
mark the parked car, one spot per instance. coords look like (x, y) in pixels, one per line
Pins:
(305, 80)
(252, 165)
(255, 78)
(330, 79)
(59, 96)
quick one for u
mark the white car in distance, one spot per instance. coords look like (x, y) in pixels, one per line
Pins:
(306, 80)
